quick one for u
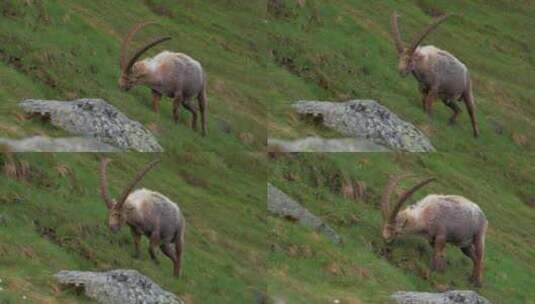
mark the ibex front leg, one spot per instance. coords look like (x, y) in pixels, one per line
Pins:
(438, 252)
(156, 96)
(137, 238)
(428, 101)
(154, 242)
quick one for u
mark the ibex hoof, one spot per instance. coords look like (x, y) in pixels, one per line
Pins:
(438, 266)
(475, 282)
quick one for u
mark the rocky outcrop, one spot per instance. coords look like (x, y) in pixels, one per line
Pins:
(282, 205)
(367, 119)
(97, 119)
(317, 144)
(47, 144)
(449, 297)
(118, 287)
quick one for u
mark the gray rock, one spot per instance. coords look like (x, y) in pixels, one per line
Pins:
(449, 297)
(95, 118)
(318, 144)
(118, 287)
(367, 119)
(282, 205)
(47, 144)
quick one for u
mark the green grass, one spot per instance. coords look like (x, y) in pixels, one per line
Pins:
(70, 49)
(364, 269)
(54, 222)
(258, 63)
(341, 50)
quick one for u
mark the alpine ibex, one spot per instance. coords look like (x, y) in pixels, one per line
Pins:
(441, 219)
(174, 75)
(147, 213)
(439, 73)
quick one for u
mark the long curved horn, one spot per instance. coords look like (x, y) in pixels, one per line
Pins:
(104, 183)
(418, 39)
(128, 39)
(135, 181)
(395, 33)
(392, 183)
(142, 50)
(406, 196)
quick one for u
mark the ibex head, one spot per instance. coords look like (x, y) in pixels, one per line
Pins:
(116, 216)
(128, 76)
(406, 54)
(392, 224)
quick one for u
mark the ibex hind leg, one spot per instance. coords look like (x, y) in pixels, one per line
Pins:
(468, 99)
(154, 241)
(455, 108)
(479, 252)
(179, 247)
(203, 107)
(193, 112)
(167, 249)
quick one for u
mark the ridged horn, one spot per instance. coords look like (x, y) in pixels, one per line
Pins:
(418, 39)
(104, 183)
(398, 42)
(405, 196)
(139, 176)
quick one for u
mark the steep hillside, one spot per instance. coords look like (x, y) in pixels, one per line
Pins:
(52, 218)
(258, 62)
(64, 50)
(304, 267)
(341, 50)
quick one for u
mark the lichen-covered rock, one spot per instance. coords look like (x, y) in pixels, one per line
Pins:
(449, 297)
(318, 144)
(47, 144)
(95, 118)
(367, 119)
(118, 287)
(282, 205)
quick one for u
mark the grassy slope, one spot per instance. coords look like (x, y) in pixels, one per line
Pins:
(338, 50)
(304, 266)
(69, 49)
(53, 222)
